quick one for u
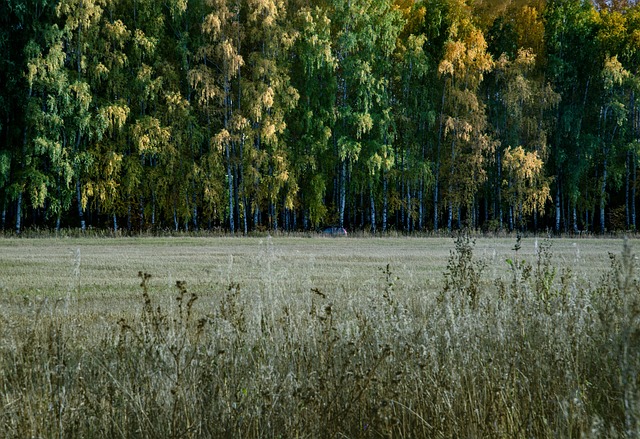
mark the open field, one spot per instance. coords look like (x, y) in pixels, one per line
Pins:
(318, 337)
(109, 267)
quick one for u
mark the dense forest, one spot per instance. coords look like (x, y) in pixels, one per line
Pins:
(377, 115)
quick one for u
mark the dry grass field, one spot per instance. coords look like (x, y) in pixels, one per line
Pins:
(318, 337)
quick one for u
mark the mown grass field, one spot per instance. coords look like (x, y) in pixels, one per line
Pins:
(318, 337)
(109, 267)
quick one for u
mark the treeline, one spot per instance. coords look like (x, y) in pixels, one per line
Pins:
(245, 115)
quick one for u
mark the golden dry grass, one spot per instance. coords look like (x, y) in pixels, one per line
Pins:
(109, 266)
(313, 337)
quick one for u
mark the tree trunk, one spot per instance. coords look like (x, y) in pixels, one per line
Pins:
(364, 213)
(474, 214)
(256, 215)
(511, 217)
(19, 213)
(385, 201)
(141, 213)
(245, 213)
(176, 224)
(627, 206)
(451, 180)
(586, 220)
(603, 193)
(373, 207)
(274, 215)
(245, 207)
(409, 208)
(587, 223)
(558, 211)
(153, 210)
(195, 215)
(343, 192)
(633, 190)
(498, 212)
(236, 201)
(230, 189)
(421, 206)
(83, 225)
(436, 188)
(486, 210)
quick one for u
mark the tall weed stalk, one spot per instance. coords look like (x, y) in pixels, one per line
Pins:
(530, 353)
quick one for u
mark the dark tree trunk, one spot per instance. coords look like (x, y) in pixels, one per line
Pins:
(373, 207)
(343, 192)
(19, 213)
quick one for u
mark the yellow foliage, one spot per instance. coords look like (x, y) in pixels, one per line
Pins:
(525, 59)
(205, 85)
(117, 31)
(232, 59)
(144, 73)
(113, 163)
(526, 187)
(100, 71)
(220, 140)
(32, 71)
(38, 195)
(265, 11)
(374, 164)
(531, 26)
(150, 136)
(364, 124)
(269, 132)
(452, 59)
(178, 7)
(267, 98)
(115, 115)
(523, 165)
(80, 13)
(148, 44)
(175, 102)
(613, 73)
(238, 123)
(212, 25)
(82, 93)
(467, 59)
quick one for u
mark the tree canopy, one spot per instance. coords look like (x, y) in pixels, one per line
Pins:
(247, 115)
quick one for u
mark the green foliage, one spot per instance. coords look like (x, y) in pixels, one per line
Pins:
(462, 285)
(254, 114)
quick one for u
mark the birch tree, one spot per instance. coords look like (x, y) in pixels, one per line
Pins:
(80, 28)
(464, 64)
(311, 122)
(29, 25)
(415, 113)
(213, 80)
(363, 89)
(268, 97)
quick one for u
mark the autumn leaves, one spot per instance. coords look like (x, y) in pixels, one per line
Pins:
(254, 114)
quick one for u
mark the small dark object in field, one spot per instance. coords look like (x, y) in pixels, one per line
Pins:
(334, 231)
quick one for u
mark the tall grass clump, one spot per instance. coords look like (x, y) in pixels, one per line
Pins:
(531, 351)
